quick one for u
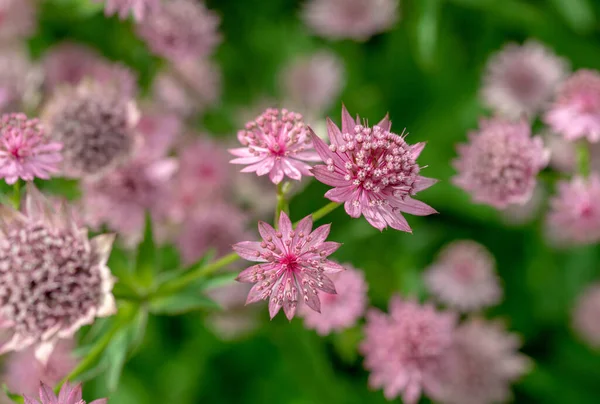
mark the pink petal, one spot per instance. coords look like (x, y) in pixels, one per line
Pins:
(329, 247)
(374, 218)
(422, 183)
(256, 294)
(331, 267)
(47, 395)
(397, 221)
(322, 174)
(341, 194)
(352, 209)
(414, 207)
(277, 173)
(285, 224)
(290, 170)
(248, 274)
(320, 146)
(241, 152)
(416, 149)
(348, 123)
(334, 133)
(249, 250)
(385, 124)
(318, 236)
(312, 299)
(305, 225)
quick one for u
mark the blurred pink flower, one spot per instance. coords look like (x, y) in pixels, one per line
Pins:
(236, 319)
(18, 19)
(586, 314)
(480, 365)
(574, 216)
(464, 277)
(342, 310)
(294, 265)
(517, 214)
(70, 287)
(276, 143)
(23, 372)
(69, 394)
(26, 151)
(575, 113)
(312, 83)
(138, 8)
(183, 29)
(402, 349)
(373, 171)
(500, 164)
(20, 80)
(563, 153)
(159, 132)
(354, 19)
(521, 79)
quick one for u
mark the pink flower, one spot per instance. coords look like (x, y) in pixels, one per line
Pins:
(586, 314)
(20, 80)
(25, 150)
(480, 365)
(138, 8)
(53, 278)
(23, 372)
(500, 164)
(373, 171)
(183, 29)
(521, 79)
(403, 349)
(69, 394)
(354, 19)
(276, 143)
(575, 113)
(294, 265)
(464, 277)
(574, 216)
(342, 310)
(18, 19)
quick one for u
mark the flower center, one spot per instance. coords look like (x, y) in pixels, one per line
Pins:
(289, 262)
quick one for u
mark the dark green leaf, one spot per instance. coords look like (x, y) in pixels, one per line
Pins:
(146, 262)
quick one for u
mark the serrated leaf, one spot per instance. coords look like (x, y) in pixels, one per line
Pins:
(146, 262)
(181, 303)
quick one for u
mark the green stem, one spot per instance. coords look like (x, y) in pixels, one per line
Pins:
(16, 197)
(583, 158)
(282, 203)
(325, 210)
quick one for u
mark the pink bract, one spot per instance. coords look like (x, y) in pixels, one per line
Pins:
(69, 394)
(138, 8)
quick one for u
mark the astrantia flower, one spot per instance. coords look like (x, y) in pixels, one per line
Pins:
(480, 365)
(20, 80)
(575, 113)
(294, 265)
(586, 314)
(276, 143)
(464, 277)
(342, 310)
(374, 172)
(69, 394)
(18, 19)
(26, 151)
(53, 280)
(500, 164)
(403, 349)
(96, 125)
(521, 79)
(574, 216)
(183, 29)
(355, 19)
(138, 8)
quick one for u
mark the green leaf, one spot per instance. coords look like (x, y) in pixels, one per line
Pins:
(218, 281)
(183, 302)
(427, 31)
(116, 354)
(168, 276)
(146, 262)
(14, 397)
(579, 14)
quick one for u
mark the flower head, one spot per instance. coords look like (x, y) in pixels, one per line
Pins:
(575, 113)
(96, 125)
(342, 310)
(373, 171)
(183, 29)
(18, 19)
(20, 80)
(464, 277)
(402, 349)
(294, 265)
(138, 8)
(480, 365)
(69, 394)
(354, 19)
(500, 164)
(574, 216)
(585, 315)
(26, 152)
(276, 143)
(53, 278)
(520, 79)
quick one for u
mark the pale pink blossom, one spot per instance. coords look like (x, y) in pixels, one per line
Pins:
(500, 164)
(464, 277)
(373, 171)
(276, 143)
(575, 113)
(403, 349)
(69, 394)
(354, 19)
(26, 151)
(586, 314)
(293, 265)
(521, 79)
(342, 310)
(18, 19)
(138, 8)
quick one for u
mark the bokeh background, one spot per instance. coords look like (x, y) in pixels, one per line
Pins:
(426, 72)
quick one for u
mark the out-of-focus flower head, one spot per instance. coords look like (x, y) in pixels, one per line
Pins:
(403, 349)
(373, 171)
(563, 153)
(293, 265)
(183, 29)
(18, 19)
(517, 214)
(500, 163)
(586, 314)
(96, 125)
(521, 79)
(138, 8)
(69, 394)
(276, 143)
(342, 310)
(26, 151)
(20, 80)
(53, 278)
(575, 113)
(464, 277)
(235, 320)
(354, 19)
(574, 216)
